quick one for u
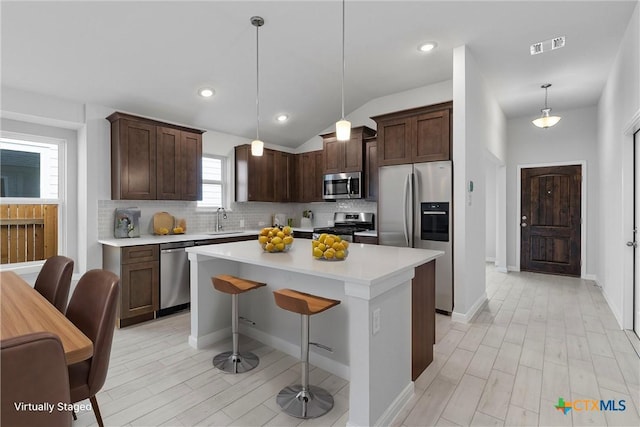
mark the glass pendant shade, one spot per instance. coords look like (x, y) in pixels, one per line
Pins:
(343, 130)
(546, 120)
(257, 147)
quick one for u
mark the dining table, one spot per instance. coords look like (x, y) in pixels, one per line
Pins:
(23, 311)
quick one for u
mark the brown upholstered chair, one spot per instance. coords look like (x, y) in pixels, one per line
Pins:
(54, 281)
(34, 370)
(93, 310)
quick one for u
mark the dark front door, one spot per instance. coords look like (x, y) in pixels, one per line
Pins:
(550, 220)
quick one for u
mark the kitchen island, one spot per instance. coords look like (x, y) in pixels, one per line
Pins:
(370, 332)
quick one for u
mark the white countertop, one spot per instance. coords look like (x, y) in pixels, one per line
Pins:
(366, 264)
(150, 239)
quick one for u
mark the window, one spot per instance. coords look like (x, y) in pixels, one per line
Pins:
(31, 190)
(213, 181)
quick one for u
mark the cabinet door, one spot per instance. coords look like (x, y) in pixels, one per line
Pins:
(191, 163)
(140, 286)
(395, 138)
(317, 180)
(260, 177)
(168, 167)
(432, 141)
(371, 170)
(353, 153)
(333, 155)
(133, 163)
(282, 170)
(423, 311)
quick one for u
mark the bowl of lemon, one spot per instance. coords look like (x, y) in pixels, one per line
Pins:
(329, 247)
(275, 239)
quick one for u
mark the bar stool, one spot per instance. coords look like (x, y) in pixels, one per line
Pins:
(304, 400)
(233, 361)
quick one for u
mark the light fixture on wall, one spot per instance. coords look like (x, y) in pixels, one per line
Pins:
(546, 120)
(257, 146)
(343, 126)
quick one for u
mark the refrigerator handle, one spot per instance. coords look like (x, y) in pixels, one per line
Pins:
(405, 224)
(411, 211)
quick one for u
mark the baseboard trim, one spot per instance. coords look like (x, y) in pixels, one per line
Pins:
(209, 339)
(590, 277)
(490, 259)
(513, 268)
(612, 307)
(315, 359)
(475, 309)
(502, 270)
(396, 406)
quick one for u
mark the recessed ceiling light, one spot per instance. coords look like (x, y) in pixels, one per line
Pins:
(282, 118)
(427, 47)
(206, 92)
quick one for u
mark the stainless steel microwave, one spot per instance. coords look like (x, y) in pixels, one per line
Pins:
(342, 186)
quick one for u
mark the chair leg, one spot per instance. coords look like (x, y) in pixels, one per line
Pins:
(96, 410)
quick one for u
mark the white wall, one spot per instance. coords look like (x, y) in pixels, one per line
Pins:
(618, 105)
(491, 212)
(419, 97)
(573, 139)
(478, 134)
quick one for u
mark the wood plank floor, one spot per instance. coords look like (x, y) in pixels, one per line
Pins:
(539, 338)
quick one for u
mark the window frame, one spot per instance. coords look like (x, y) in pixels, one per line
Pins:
(224, 182)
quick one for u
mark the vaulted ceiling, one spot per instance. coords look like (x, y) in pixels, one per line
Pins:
(150, 58)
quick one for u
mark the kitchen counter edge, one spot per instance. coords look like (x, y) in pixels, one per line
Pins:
(171, 238)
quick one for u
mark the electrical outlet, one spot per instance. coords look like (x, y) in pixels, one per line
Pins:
(376, 321)
(261, 223)
(241, 223)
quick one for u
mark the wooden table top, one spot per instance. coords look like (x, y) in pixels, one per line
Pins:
(23, 310)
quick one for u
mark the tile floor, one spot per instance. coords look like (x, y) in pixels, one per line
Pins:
(539, 338)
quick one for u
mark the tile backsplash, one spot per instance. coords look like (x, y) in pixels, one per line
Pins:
(254, 214)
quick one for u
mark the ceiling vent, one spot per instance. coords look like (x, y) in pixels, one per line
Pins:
(551, 44)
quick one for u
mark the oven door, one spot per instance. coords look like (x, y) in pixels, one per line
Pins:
(342, 186)
(434, 221)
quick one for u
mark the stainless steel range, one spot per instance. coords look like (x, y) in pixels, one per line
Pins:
(347, 223)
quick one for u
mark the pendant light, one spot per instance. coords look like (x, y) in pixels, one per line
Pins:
(257, 146)
(546, 120)
(343, 126)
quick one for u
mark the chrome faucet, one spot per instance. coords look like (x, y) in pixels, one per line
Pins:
(224, 216)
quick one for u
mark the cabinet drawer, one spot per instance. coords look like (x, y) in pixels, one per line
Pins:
(143, 253)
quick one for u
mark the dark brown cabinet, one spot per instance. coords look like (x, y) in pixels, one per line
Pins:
(283, 171)
(371, 169)
(370, 240)
(423, 310)
(417, 135)
(255, 178)
(139, 271)
(345, 156)
(309, 176)
(151, 160)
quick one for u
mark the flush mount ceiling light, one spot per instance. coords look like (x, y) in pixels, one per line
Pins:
(257, 146)
(427, 46)
(547, 45)
(206, 92)
(281, 118)
(546, 120)
(343, 126)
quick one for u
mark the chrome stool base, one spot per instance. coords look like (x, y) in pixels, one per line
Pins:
(235, 364)
(312, 403)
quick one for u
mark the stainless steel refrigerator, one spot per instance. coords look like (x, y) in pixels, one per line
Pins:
(415, 210)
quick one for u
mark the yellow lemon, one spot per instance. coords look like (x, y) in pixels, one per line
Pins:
(269, 247)
(276, 240)
(322, 237)
(280, 247)
(317, 253)
(329, 241)
(322, 247)
(280, 234)
(288, 240)
(329, 254)
(286, 230)
(263, 239)
(337, 246)
(264, 231)
(340, 254)
(338, 238)
(314, 243)
(345, 243)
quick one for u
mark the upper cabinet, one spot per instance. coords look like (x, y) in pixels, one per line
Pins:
(413, 136)
(345, 156)
(152, 160)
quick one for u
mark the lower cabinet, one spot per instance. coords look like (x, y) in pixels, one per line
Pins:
(139, 271)
(371, 240)
(423, 325)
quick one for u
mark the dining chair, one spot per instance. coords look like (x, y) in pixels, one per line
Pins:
(34, 370)
(93, 310)
(54, 281)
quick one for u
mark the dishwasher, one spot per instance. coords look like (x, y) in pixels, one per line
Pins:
(174, 277)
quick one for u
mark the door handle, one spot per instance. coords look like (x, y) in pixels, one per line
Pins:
(523, 224)
(632, 244)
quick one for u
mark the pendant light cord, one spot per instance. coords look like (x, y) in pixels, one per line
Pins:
(257, 83)
(343, 66)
